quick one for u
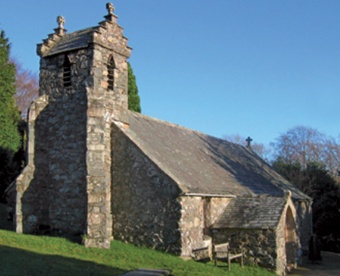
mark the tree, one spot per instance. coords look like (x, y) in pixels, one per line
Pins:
(258, 148)
(311, 160)
(308, 179)
(27, 88)
(304, 145)
(10, 140)
(316, 182)
(9, 115)
(291, 171)
(133, 97)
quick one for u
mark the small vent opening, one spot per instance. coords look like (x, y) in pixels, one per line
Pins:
(67, 72)
(110, 73)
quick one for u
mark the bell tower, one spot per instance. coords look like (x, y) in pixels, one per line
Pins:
(66, 186)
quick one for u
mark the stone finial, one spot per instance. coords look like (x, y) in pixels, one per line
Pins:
(110, 8)
(110, 17)
(61, 22)
(288, 193)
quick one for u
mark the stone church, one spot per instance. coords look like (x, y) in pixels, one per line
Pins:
(97, 170)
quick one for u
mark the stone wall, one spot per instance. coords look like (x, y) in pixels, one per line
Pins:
(23, 180)
(304, 223)
(281, 258)
(191, 224)
(288, 239)
(145, 206)
(259, 245)
(52, 189)
(66, 186)
(198, 214)
(278, 249)
(215, 206)
(104, 106)
(51, 74)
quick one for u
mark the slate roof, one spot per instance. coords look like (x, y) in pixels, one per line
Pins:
(252, 213)
(76, 40)
(204, 164)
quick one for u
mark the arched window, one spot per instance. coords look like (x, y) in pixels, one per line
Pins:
(67, 72)
(110, 73)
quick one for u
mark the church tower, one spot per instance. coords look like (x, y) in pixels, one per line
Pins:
(66, 186)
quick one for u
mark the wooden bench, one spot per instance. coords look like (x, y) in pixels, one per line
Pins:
(221, 252)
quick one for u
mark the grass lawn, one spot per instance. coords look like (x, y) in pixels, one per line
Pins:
(41, 255)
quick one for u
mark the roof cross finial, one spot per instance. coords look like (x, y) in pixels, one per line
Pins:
(110, 8)
(248, 140)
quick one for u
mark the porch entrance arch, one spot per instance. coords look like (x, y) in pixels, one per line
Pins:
(290, 238)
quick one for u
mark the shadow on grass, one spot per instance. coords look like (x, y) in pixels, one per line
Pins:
(4, 223)
(21, 262)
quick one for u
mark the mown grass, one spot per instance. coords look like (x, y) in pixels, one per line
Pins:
(41, 255)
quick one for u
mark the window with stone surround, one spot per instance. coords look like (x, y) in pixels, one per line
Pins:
(110, 73)
(67, 72)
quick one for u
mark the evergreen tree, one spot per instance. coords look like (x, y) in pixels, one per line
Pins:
(133, 97)
(9, 115)
(10, 140)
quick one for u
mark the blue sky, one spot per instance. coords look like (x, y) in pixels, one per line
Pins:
(222, 67)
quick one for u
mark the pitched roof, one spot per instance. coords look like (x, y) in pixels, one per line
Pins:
(72, 41)
(204, 164)
(253, 212)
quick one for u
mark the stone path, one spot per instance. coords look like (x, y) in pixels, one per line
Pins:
(330, 266)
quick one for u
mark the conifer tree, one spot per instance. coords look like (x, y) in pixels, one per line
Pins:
(133, 97)
(9, 115)
(10, 139)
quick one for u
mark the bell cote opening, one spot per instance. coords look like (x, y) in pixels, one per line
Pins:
(110, 73)
(67, 72)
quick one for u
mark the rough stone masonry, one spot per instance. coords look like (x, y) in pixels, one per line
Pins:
(66, 186)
